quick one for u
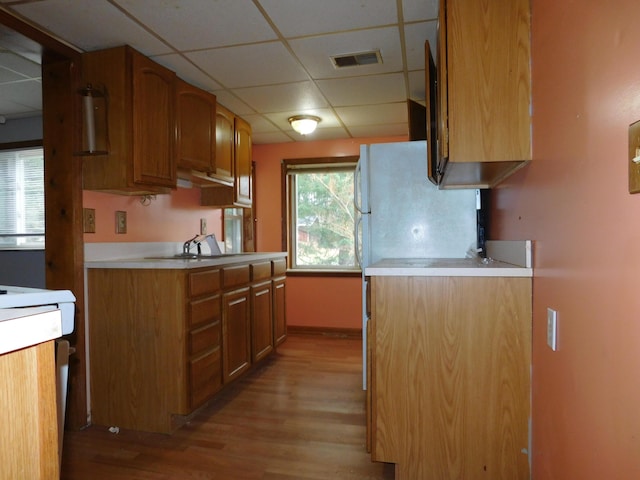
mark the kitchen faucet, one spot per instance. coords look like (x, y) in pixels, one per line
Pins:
(186, 247)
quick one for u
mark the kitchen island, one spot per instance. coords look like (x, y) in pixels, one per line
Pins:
(167, 334)
(449, 368)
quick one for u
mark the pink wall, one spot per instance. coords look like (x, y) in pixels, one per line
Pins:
(573, 201)
(169, 218)
(311, 301)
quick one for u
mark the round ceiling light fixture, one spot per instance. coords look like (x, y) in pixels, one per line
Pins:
(304, 124)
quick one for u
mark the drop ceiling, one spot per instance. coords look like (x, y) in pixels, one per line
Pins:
(265, 60)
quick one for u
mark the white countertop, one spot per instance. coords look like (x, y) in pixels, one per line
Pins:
(25, 327)
(180, 263)
(446, 267)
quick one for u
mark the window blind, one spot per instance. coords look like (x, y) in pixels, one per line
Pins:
(21, 197)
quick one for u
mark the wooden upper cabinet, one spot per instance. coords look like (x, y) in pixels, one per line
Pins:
(225, 141)
(484, 88)
(243, 163)
(233, 163)
(196, 129)
(141, 123)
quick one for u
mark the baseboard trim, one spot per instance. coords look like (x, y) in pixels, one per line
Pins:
(325, 331)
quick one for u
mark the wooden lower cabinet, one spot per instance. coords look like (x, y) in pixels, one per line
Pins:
(279, 316)
(450, 376)
(261, 321)
(163, 342)
(278, 270)
(29, 414)
(236, 336)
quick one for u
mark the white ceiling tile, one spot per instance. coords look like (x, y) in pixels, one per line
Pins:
(390, 130)
(415, 35)
(199, 24)
(9, 76)
(91, 25)
(233, 103)
(19, 65)
(416, 85)
(315, 52)
(373, 114)
(364, 90)
(279, 98)
(270, 137)
(250, 65)
(322, 134)
(260, 124)
(21, 97)
(416, 10)
(188, 72)
(299, 18)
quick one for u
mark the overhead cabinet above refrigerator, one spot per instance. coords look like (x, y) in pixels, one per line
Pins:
(482, 109)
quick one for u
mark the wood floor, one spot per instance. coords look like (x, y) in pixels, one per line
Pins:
(299, 416)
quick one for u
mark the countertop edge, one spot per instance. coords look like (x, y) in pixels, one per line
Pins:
(510, 271)
(182, 264)
(26, 327)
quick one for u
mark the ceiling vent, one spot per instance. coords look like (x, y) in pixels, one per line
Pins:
(357, 59)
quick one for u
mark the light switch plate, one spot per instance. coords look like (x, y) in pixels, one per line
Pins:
(552, 329)
(634, 153)
(89, 220)
(121, 222)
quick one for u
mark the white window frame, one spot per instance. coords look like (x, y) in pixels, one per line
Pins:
(290, 169)
(15, 233)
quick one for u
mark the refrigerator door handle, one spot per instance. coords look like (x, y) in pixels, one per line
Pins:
(356, 237)
(357, 188)
(357, 199)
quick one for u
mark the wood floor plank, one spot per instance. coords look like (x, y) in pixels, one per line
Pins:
(298, 416)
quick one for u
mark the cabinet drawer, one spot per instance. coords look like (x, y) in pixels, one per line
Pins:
(260, 271)
(205, 377)
(203, 338)
(279, 267)
(237, 275)
(204, 282)
(206, 310)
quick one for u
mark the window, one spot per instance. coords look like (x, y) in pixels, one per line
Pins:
(320, 214)
(22, 198)
(233, 230)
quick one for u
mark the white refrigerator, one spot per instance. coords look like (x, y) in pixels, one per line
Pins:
(401, 214)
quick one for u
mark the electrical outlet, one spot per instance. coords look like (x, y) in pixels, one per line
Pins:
(89, 220)
(203, 226)
(552, 329)
(121, 222)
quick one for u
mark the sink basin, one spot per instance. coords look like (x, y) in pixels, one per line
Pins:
(194, 256)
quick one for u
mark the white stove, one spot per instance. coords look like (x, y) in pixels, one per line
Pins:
(13, 297)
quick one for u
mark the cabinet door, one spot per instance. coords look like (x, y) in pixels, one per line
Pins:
(442, 112)
(262, 321)
(205, 377)
(279, 317)
(488, 120)
(153, 123)
(451, 378)
(196, 117)
(224, 144)
(243, 163)
(236, 333)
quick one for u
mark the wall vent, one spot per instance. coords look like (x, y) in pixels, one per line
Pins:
(357, 59)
